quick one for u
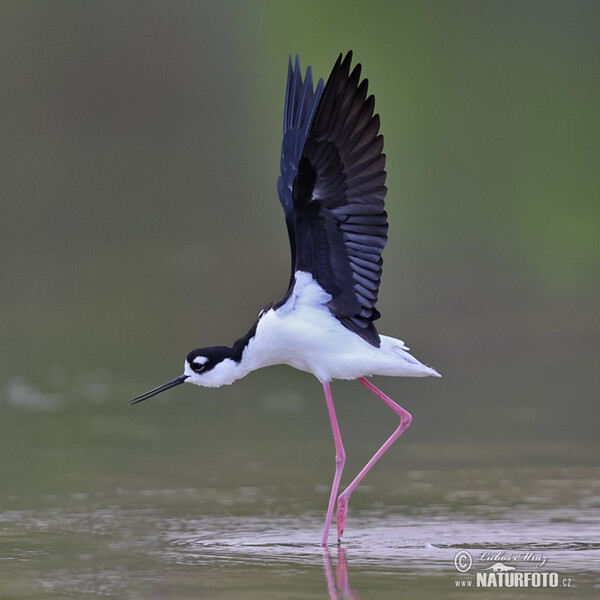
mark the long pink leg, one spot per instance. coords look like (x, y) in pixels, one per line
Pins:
(340, 459)
(405, 419)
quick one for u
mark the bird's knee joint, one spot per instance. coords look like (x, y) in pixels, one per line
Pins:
(340, 459)
(342, 502)
(406, 419)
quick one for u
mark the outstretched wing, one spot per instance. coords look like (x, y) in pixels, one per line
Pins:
(299, 111)
(340, 225)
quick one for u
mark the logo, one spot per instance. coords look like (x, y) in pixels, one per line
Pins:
(504, 569)
(463, 561)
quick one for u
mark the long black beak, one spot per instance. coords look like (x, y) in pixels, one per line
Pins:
(159, 389)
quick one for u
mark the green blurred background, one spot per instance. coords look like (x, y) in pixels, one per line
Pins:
(139, 219)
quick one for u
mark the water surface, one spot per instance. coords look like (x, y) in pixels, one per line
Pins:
(255, 542)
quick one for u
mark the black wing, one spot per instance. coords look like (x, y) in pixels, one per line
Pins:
(299, 111)
(340, 225)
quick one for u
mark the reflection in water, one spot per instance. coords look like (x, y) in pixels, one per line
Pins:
(340, 584)
(187, 543)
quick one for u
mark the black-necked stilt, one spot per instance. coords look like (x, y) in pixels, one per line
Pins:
(331, 188)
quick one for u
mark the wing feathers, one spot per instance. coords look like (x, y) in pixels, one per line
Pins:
(335, 198)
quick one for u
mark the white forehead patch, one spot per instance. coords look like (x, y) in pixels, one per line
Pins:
(200, 360)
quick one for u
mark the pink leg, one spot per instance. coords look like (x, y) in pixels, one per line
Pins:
(405, 419)
(340, 459)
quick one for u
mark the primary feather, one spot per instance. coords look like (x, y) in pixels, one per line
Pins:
(336, 219)
(299, 111)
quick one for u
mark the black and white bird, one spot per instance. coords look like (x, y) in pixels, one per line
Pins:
(331, 187)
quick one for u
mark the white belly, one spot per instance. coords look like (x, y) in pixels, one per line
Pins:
(304, 334)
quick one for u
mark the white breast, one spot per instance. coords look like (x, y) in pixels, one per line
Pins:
(304, 334)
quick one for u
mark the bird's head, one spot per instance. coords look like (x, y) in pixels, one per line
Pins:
(208, 367)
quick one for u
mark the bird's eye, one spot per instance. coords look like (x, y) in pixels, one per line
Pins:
(198, 364)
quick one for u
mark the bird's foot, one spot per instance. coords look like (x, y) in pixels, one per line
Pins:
(340, 516)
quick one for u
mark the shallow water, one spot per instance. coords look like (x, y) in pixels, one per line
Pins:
(251, 542)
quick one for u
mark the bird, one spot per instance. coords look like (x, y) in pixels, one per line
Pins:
(332, 190)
